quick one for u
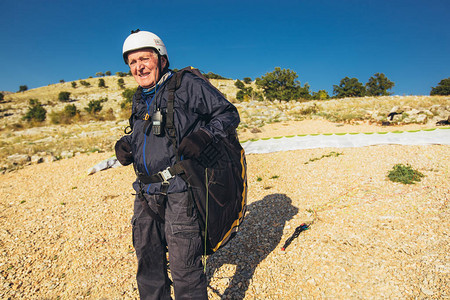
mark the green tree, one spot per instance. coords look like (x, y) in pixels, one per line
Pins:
(281, 84)
(36, 112)
(108, 73)
(121, 74)
(99, 74)
(378, 85)
(303, 92)
(247, 80)
(2, 96)
(64, 96)
(74, 84)
(211, 75)
(23, 88)
(349, 87)
(443, 88)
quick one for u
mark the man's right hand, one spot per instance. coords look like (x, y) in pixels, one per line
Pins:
(123, 152)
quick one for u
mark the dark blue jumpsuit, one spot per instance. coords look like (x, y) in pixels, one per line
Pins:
(197, 105)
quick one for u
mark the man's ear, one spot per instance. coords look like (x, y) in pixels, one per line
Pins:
(163, 62)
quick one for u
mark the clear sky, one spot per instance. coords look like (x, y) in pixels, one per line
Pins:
(323, 41)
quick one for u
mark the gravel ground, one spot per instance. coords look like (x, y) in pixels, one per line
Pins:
(67, 235)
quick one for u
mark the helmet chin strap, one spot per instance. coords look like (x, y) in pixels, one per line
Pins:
(159, 69)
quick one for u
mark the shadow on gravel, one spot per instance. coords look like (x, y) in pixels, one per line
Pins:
(260, 233)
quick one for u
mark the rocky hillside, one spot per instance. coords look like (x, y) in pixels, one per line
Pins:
(23, 143)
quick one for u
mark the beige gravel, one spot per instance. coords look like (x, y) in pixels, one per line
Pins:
(67, 235)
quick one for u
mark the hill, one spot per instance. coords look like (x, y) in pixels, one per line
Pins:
(22, 142)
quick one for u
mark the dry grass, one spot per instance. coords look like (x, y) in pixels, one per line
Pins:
(20, 137)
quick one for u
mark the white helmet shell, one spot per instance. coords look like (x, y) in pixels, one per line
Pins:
(141, 40)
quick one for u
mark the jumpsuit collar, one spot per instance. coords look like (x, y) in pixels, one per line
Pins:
(151, 91)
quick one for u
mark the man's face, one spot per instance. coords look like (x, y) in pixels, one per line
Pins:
(144, 67)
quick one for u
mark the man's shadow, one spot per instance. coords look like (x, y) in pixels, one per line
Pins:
(258, 236)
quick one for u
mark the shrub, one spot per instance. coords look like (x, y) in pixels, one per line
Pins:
(23, 88)
(310, 110)
(109, 115)
(64, 96)
(85, 83)
(71, 110)
(2, 96)
(121, 74)
(35, 112)
(101, 83)
(239, 84)
(240, 95)
(65, 116)
(94, 106)
(404, 174)
(74, 84)
(245, 93)
(320, 95)
(128, 95)
(121, 83)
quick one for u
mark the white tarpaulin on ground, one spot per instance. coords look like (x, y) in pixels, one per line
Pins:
(111, 162)
(338, 140)
(345, 140)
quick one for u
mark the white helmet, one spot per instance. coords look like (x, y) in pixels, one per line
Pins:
(143, 39)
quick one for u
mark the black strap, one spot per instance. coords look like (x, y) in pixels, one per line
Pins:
(176, 169)
(156, 216)
(170, 126)
(134, 115)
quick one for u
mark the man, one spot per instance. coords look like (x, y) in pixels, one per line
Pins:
(164, 218)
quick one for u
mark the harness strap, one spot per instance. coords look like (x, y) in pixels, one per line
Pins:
(163, 176)
(156, 216)
(170, 126)
(177, 169)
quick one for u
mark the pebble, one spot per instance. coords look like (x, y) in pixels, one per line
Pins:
(369, 237)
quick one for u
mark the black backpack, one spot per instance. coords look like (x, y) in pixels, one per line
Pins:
(217, 183)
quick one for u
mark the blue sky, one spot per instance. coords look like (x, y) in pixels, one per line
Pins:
(43, 42)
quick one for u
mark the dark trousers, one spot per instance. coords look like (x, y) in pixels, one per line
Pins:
(181, 234)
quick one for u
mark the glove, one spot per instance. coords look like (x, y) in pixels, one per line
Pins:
(193, 145)
(123, 152)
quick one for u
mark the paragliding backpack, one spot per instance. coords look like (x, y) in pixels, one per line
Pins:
(217, 180)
